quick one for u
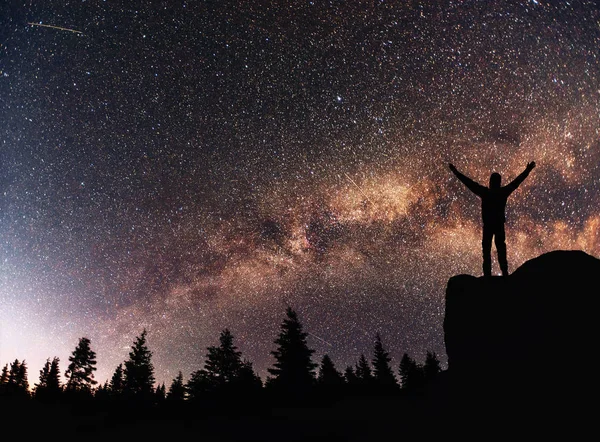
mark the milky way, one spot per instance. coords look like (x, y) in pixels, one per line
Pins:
(203, 165)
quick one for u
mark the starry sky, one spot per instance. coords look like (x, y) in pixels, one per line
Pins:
(190, 166)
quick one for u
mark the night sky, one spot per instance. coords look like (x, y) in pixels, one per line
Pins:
(190, 166)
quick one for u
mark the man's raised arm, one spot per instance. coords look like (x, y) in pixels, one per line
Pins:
(512, 186)
(473, 186)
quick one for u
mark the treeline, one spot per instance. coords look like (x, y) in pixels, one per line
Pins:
(225, 374)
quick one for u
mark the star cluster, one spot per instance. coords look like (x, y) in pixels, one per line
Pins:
(188, 166)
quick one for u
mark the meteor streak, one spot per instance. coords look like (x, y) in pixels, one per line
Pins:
(55, 27)
(358, 187)
(320, 339)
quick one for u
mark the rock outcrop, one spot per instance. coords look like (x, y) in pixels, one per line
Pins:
(534, 330)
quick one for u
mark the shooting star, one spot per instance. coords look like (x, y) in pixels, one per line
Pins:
(320, 339)
(55, 27)
(358, 187)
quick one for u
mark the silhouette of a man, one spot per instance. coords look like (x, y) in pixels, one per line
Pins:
(493, 205)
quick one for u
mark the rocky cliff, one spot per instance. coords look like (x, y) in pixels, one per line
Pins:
(536, 328)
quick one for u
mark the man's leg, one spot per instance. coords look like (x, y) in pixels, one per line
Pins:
(500, 240)
(486, 246)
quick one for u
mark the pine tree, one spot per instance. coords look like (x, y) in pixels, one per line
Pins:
(329, 376)
(116, 387)
(53, 380)
(177, 389)
(4, 375)
(139, 371)
(200, 385)
(41, 387)
(224, 362)
(363, 371)
(17, 384)
(160, 394)
(49, 387)
(382, 371)
(432, 366)
(247, 380)
(4, 380)
(44, 373)
(330, 382)
(406, 367)
(350, 376)
(411, 373)
(102, 392)
(224, 371)
(293, 370)
(80, 372)
(23, 383)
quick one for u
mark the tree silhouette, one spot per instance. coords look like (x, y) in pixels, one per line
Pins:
(247, 380)
(116, 387)
(432, 366)
(102, 392)
(177, 389)
(293, 370)
(160, 393)
(363, 372)
(223, 363)
(139, 371)
(383, 375)
(80, 372)
(330, 381)
(43, 383)
(350, 376)
(404, 369)
(411, 374)
(4, 375)
(224, 371)
(53, 380)
(49, 387)
(200, 385)
(329, 376)
(14, 381)
(4, 380)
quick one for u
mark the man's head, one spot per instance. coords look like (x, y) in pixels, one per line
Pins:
(495, 180)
